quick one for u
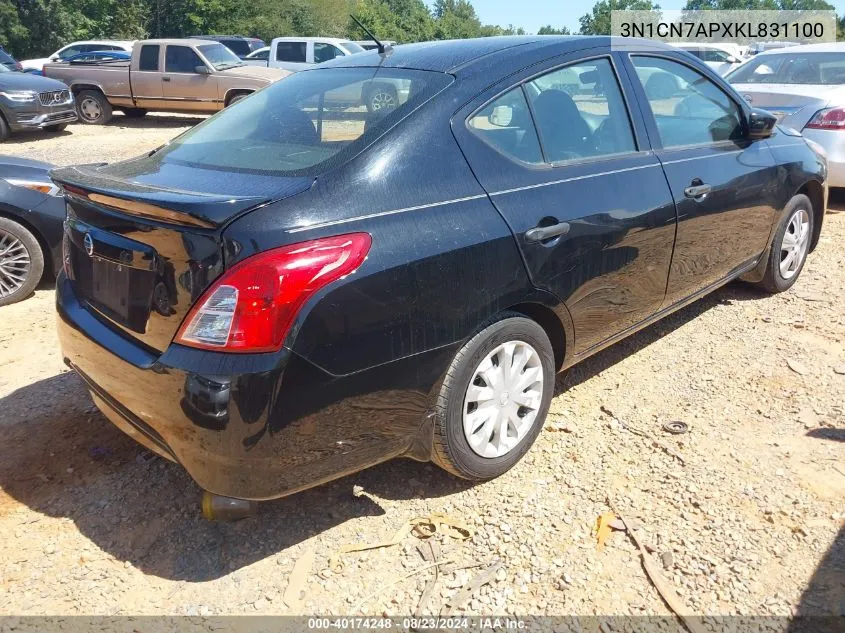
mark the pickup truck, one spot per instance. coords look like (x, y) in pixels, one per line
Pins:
(301, 53)
(170, 75)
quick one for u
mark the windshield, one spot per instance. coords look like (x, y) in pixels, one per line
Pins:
(792, 68)
(219, 56)
(352, 47)
(306, 123)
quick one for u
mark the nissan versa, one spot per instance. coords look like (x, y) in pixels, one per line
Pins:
(289, 293)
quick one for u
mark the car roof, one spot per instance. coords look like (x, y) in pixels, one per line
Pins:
(184, 41)
(259, 50)
(224, 37)
(836, 47)
(455, 55)
(327, 40)
(123, 42)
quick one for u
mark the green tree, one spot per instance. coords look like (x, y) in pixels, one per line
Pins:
(597, 22)
(550, 30)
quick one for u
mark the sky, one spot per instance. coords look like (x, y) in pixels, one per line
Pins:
(532, 14)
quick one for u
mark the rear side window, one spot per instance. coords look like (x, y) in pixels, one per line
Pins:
(148, 59)
(580, 113)
(290, 52)
(303, 125)
(181, 59)
(505, 124)
(688, 108)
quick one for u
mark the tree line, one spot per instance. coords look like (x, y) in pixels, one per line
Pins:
(33, 28)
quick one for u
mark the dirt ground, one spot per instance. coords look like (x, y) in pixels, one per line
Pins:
(744, 513)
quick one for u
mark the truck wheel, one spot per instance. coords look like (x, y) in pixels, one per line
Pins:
(237, 98)
(93, 107)
(4, 129)
(381, 97)
(134, 113)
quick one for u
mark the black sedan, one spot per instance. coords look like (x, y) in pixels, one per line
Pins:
(31, 214)
(288, 293)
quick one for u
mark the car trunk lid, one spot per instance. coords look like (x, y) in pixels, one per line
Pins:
(793, 104)
(141, 246)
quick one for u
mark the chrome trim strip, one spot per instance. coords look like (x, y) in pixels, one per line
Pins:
(572, 179)
(369, 216)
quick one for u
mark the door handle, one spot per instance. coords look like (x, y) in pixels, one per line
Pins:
(543, 233)
(165, 78)
(697, 192)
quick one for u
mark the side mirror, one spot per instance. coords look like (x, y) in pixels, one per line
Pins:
(761, 124)
(733, 60)
(202, 70)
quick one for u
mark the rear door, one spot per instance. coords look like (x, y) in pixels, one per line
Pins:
(183, 88)
(582, 191)
(724, 185)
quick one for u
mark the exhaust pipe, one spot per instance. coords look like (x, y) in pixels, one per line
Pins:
(217, 508)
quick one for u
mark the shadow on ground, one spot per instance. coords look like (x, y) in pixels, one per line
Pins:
(153, 121)
(63, 459)
(821, 608)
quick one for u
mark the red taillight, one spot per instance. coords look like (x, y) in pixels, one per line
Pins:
(830, 119)
(251, 307)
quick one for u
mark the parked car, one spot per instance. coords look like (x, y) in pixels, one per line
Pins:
(29, 102)
(238, 44)
(74, 49)
(32, 210)
(761, 47)
(95, 57)
(720, 58)
(163, 75)
(284, 294)
(301, 53)
(371, 45)
(8, 61)
(804, 86)
(258, 57)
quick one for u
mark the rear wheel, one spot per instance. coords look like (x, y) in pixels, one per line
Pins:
(93, 107)
(135, 113)
(21, 262)
(494, 399)
(790, 245)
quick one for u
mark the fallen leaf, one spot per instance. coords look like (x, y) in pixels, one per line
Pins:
(797, 367)
(603, 527)
(298, 580)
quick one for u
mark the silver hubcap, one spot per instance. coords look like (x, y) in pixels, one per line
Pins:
(90, 109)
(14, 264)
(382, 100)
(503, 398)
(796, 239)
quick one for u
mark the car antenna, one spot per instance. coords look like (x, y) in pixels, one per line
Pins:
(383, 49)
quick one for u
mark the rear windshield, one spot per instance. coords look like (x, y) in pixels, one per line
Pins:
(792, 68)
(306, 123)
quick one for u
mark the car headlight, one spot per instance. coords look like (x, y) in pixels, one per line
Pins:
(19, 96)
(42, 186)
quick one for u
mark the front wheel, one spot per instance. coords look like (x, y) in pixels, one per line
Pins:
(21, 262)
(494, 399)
(790, 246)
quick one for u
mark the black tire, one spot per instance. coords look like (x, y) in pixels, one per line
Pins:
(134, 113)
(4, 129)
(9, 228)
(380, 96)
(451, 450)
(774, 281)
(55, 129)
(103, 107)
(235, 98)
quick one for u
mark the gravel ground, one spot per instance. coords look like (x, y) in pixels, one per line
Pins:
(744, 513)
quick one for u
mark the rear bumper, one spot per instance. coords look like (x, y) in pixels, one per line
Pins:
(252, 427)
(833, 142)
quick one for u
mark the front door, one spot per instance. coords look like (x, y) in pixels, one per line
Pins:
(724, 185)
(569, 168)
(184, 88)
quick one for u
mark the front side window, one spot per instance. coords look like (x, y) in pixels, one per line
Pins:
(291, 52)
(688, 108)
(580, 113)
(303, 125)
(148, 59)
(505, 124)
(181, 59)
(324, 52)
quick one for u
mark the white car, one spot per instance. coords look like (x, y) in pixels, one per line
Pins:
(86, 46)
(804, 86)
(722, 58)
(299, 53)
(257, 57)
